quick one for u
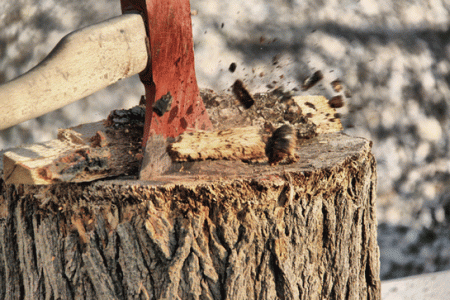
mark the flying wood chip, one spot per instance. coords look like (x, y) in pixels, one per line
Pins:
(337, 85)
(232, 67)
(336, 102)
(161, 106)
(281, 145)
(242, 94)
(312, 80)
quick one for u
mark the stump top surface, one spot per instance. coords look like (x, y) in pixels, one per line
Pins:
(322, 152)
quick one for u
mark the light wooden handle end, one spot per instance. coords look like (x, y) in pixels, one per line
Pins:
(83, 62)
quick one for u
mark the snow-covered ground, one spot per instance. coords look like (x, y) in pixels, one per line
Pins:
(392, 56)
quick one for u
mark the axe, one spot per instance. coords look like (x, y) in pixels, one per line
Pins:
(152, 38)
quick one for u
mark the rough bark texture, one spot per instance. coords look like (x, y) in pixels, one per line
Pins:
(207, 230)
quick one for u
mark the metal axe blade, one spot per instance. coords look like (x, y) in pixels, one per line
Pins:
(170, 73)
(171, 69)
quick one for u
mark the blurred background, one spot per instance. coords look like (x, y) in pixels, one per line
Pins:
(393, 58)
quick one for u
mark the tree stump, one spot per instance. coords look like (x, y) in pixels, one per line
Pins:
(208, 230)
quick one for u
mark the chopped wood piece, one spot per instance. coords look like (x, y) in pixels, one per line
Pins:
(35, 164)
(336, 101)
(162, 106)
(281, 145)
(243, 143)
(80, 154)
(236, 143)
(232, 67)
(337, 85)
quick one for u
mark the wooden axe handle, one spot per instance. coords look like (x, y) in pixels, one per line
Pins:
(83, 62)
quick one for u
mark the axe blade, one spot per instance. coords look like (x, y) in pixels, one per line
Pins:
(171, 68)
(171, 71)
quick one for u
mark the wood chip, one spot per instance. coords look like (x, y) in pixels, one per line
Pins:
(242, 94)
(312, 80)
(336, 101)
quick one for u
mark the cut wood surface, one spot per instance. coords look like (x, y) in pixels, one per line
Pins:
(243, 143)
(247, 143)
(83, 62)
(203, 230)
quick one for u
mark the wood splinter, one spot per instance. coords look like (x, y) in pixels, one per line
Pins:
(242, 94)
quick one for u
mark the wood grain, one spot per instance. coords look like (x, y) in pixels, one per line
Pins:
(243, 143)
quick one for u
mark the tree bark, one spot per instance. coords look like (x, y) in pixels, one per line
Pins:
(203, 230)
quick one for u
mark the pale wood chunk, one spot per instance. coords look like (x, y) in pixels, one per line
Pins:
(31, 164)
(83, 153)
(236, 143)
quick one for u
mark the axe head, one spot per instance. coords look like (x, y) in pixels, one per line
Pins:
(171, 68)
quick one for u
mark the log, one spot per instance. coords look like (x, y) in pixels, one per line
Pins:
(83, 153)
(203, 230)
